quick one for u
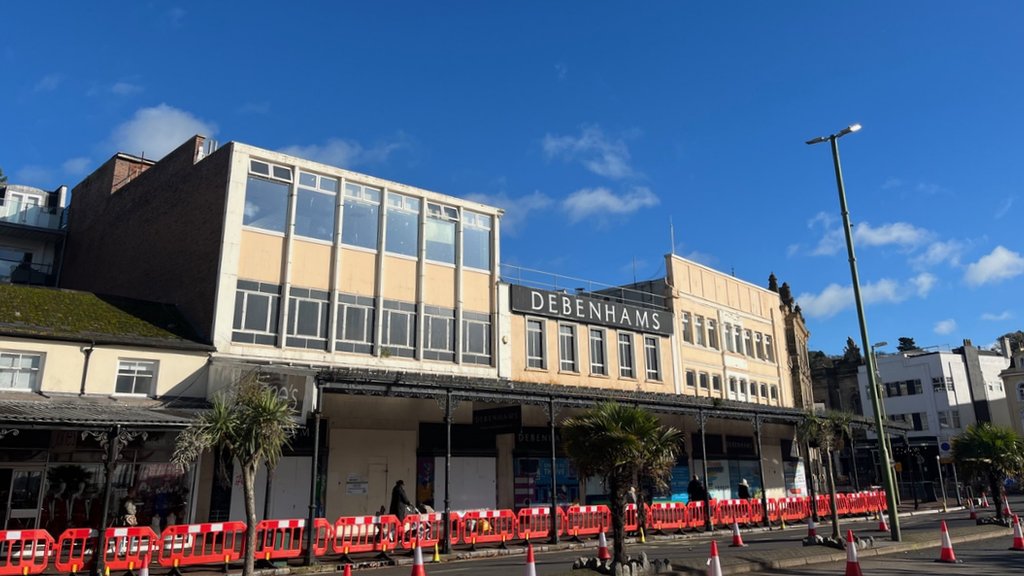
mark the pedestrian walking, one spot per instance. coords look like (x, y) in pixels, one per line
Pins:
(399, 501)
(744, 490)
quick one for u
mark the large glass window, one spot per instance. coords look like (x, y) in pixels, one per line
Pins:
(567, 348)
(476, 240)
(360, 222)
(439, 332)
(441, 222)
(256, 313)
(314, 207)
(19, 371)
(399, 331)
(135, 377)
(476, 338)
(597, 351)
(626, 368)
(355, 324)
(652, 355)
(535, 344)
(308, 314)
(266, 204)
(403, 231)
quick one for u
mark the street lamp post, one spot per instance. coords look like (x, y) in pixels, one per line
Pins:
(884, 441)
(833, 140)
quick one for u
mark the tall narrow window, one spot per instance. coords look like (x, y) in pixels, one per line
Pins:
(476, 338)
(732, 386)
(764, 390)
(652, 355)
(360, 222)
(775, 393)
(730, 345)
(747, 343)
(438, 333)
(398, 332)
(712, 334)
(441, 222)
(135, 377)
(476, 240)
(716, 383)
(691, 378)
(698, 328)
(703, 379)
(626, 368)
(535, 344)
(687, 329)
(314, 206)
(597, 353)
(759, 344)
(403, 229)
(737, 339)
(567, 348)
(308, 312)
(769, 348)
(355, 324)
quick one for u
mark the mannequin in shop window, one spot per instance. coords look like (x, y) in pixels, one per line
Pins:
(78, 507)
(54, 517)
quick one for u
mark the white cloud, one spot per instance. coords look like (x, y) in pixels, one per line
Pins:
(835, 298)
(832, 240)
(892, 183)
(516, 209)
(990, 317)
(76, 166)
(923, 283)
(929, 189)
(347, 153)
(1004, 207)
(125, 88)
(602, 202)
(48, 83)
(899, 233)
(945, 326)
(604, 157)
(939, 252)
(37, 176)
(1001, 264)
(155, 131)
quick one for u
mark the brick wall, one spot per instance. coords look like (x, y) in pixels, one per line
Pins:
(151, 232)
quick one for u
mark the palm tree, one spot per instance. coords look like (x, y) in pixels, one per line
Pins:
(621, 444)
(249, 422)
(827, 432)
(990, 453)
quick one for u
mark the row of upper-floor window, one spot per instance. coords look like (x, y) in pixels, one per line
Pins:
(739, 388)
(23, 371)
(919, 420)
(316, 200)
(569, 359)
(701, 331)
(402, 329)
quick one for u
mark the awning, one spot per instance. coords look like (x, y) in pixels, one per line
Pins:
(73, 411)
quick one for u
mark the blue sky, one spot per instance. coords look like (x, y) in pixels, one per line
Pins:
(593, 124)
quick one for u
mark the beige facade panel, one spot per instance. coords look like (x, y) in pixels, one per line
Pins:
(399, 279)
(260, 257)
(477, 294)
(358, 272)
(311, 265)
(439, 285)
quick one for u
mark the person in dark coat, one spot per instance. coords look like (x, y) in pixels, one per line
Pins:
(399, 501)
(695, 489)
(744, 490)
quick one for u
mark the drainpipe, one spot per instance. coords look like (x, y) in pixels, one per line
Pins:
(85, 366)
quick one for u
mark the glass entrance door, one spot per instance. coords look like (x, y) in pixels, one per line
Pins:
(22, 487)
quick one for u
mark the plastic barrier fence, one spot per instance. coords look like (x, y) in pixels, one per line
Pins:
(535, 523)
(756, 511)
(283, 539)
(24, 551)
(696, 514)
(355, 534)
(631, 518)
(667, 516)
(129, 548)
(422, 529)
(486, 526)
(587, 520)
(195, 544)
(729, 511)
(74, 551)
(792, 509)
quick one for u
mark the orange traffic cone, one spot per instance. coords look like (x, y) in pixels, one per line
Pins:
(348, 570)
(714, 564)
(737, 538)
(947, 554)
(852, 563)
(812, 529)
(984, 500)
(883, 526)
(974, 513)
(1006, 508)
(1018, 538)
(417, 562)
(602, 547)
(531, 566)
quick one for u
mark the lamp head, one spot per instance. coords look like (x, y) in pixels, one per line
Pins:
(840, 134)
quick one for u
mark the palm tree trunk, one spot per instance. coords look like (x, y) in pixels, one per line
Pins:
(249, 491)
(618, 521)
(832, 491)
(997, 494)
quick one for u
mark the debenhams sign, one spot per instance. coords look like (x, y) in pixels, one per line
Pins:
(590, 310)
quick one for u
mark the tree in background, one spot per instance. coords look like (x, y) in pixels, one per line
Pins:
(1016, 341)
(990, 454)
(3, 179)
(249, 422)
(906, 344)
(827, 432)
(622, 445)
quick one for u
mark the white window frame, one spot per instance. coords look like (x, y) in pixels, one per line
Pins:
(699, 337)
(627, 355)
(598, 337)
(652, 358)
(569, 333)
(542, 358)
(713, 334)
(687, 328)
(16, 368)
(130, 367)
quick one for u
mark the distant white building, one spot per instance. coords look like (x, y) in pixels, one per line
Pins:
(1013, 383)
(31, 234)
(939, 394)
